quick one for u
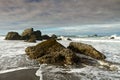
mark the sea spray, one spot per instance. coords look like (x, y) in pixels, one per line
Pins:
(40, 71)
(111, 48)
(110, 66)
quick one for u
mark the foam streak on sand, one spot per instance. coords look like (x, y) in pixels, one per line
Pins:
(16, 69)
(11, 70)
(39, 72)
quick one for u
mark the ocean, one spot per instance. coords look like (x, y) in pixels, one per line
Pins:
(13, 58)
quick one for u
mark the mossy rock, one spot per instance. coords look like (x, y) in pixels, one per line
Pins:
(63, 57)
(86, 49)
(32, 39)
(43, 48)
(45, 37)
(12, 36)
(27, 32)
(52, 52)
(54, 36)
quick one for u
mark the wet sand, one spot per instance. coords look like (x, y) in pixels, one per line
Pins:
(24, 74)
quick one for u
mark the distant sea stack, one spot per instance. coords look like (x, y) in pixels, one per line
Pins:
(28, 35)
(12, 36)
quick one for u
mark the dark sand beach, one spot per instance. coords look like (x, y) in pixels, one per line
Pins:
(24, 74)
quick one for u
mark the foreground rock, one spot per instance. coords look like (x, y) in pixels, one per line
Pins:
(12, 36)
(86, 49)
(52, 52)
(64, 56)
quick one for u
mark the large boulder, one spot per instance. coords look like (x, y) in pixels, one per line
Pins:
(63, 57)
(86, 50)
(43, 48)
(12, 36)
(51, 52)
(26, 34)
(37, 34)
(32, 39)
(45, 37)
(54, 36)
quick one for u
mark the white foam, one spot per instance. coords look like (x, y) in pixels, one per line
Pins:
(96, 40)
(11, 70)
(10, 51)
(39, 73)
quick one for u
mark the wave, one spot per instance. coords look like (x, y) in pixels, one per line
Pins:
(12, 57)
(47, 72)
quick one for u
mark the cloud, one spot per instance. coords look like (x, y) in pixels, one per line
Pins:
(80, 16)
(91, 29)
(33, 1)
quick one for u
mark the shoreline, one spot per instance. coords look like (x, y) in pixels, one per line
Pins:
(21, 74)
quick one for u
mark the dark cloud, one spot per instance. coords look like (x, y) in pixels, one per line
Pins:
(58, 12)
(33, 1)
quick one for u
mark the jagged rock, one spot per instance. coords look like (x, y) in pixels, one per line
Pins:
(112, 37)
(69, 39)
(37, 34)
(64, 38)
(51, 52)
(86, 50)
(29, 35)
(59, 39)
(32, 39)
(54, 36)
(43, 48)
(12, 36)
(65, 56)
(45, 37)
(26, 34)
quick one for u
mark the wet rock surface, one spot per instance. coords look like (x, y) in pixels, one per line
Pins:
(12, 36)
(52, 52)
(86, 49)
(28, 35)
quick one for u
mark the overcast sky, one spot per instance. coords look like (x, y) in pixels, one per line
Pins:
(54, 16)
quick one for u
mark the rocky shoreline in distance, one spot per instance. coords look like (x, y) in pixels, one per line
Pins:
(29, 35)
(52, 52)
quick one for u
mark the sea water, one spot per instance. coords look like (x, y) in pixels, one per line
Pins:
(12, 57)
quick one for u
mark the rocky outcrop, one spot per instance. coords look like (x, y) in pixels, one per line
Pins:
(43, 48)
(12, 36)
(52, 52)
(86, 49)
(63, 57)
(29, 33)
(32, 39)
(45, 37)
(37, 34)
(64, 38)
(54, 36)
